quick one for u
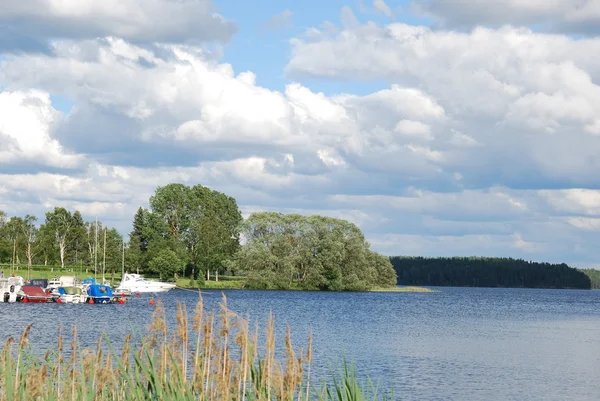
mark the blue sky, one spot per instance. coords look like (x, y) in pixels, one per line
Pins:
(440, 127)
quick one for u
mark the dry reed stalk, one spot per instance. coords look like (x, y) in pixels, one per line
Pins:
(73, 362)
(269, 355)
(241, 339)
(208, 345)
(22, 342)
(182, 336)
(224, 367)
(197, 327)
(308, 360)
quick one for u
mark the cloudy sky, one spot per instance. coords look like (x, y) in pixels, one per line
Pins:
(440, 127)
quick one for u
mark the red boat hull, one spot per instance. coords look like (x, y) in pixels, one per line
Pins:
(34, 294)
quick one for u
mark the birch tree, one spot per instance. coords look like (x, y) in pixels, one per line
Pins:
(60, 222)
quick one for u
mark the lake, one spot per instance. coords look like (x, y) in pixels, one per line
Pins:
(456, 344)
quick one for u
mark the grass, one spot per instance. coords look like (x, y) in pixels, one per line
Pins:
(403, 289)
(213, 356)
(224, 283)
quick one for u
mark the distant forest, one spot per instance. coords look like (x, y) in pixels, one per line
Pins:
(491, 272)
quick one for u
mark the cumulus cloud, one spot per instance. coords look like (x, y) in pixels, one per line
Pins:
(27, 120)
(582, 17)
(33, 22)
(483, 142)
(510, 93)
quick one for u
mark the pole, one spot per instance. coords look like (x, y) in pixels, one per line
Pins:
(123, 262)
(104, 260)
(13, 255)
(96, 250)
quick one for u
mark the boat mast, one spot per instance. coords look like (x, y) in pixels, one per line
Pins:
(123, 262)
(104, 258)
(96, 249)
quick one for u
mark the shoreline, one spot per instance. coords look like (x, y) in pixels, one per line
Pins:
(229, 284)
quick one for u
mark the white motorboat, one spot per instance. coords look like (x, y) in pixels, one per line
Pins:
(10, 288)
(134, 283)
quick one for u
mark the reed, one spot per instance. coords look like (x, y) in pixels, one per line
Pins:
(216, 358)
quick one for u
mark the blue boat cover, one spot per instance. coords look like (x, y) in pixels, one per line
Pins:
(61, 291)
(99, 290)
(89, 280)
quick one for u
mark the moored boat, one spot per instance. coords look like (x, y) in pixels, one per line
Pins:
(69, 295)
(10, 287)
(134, 283)
(98, 294)
(33, 293)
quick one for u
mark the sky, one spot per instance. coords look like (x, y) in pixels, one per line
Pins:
(439, 127)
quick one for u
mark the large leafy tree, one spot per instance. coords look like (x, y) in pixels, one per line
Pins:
(77, 239)
(166, 263)
(199, 224)
(312, 252)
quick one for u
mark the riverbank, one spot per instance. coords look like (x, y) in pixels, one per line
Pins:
(223, 283)
(237, 283)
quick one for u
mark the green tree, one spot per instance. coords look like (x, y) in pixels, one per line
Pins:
(198, 224)
(76, 241)
(60, 222)
(14, 233)
(166, 263)
(5, 245)
(314, 252)
(29, 233)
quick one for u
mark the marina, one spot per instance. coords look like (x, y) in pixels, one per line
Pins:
(72, 290)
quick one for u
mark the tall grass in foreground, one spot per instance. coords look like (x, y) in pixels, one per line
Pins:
(211, 357)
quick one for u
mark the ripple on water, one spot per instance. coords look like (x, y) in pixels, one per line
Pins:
(457, 344)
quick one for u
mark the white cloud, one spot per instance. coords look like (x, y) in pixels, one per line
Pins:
(479, 145)
(510, 100)
(280, 20)
(26, 123)
(383, 8)
(562, 15)
(141, 20)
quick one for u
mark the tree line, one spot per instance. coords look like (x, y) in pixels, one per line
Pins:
(594, 276)
(194, 232)
(487, 272)
(63, 239)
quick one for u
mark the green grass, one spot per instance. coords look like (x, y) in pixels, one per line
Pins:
(403, 289)
(224, 283)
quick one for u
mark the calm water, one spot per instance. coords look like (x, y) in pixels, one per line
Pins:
(458, 344)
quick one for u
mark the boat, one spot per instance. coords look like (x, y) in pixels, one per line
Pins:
(135, 283)
(33, 293)
(10, 287)
(97, 294)
(69, 295)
